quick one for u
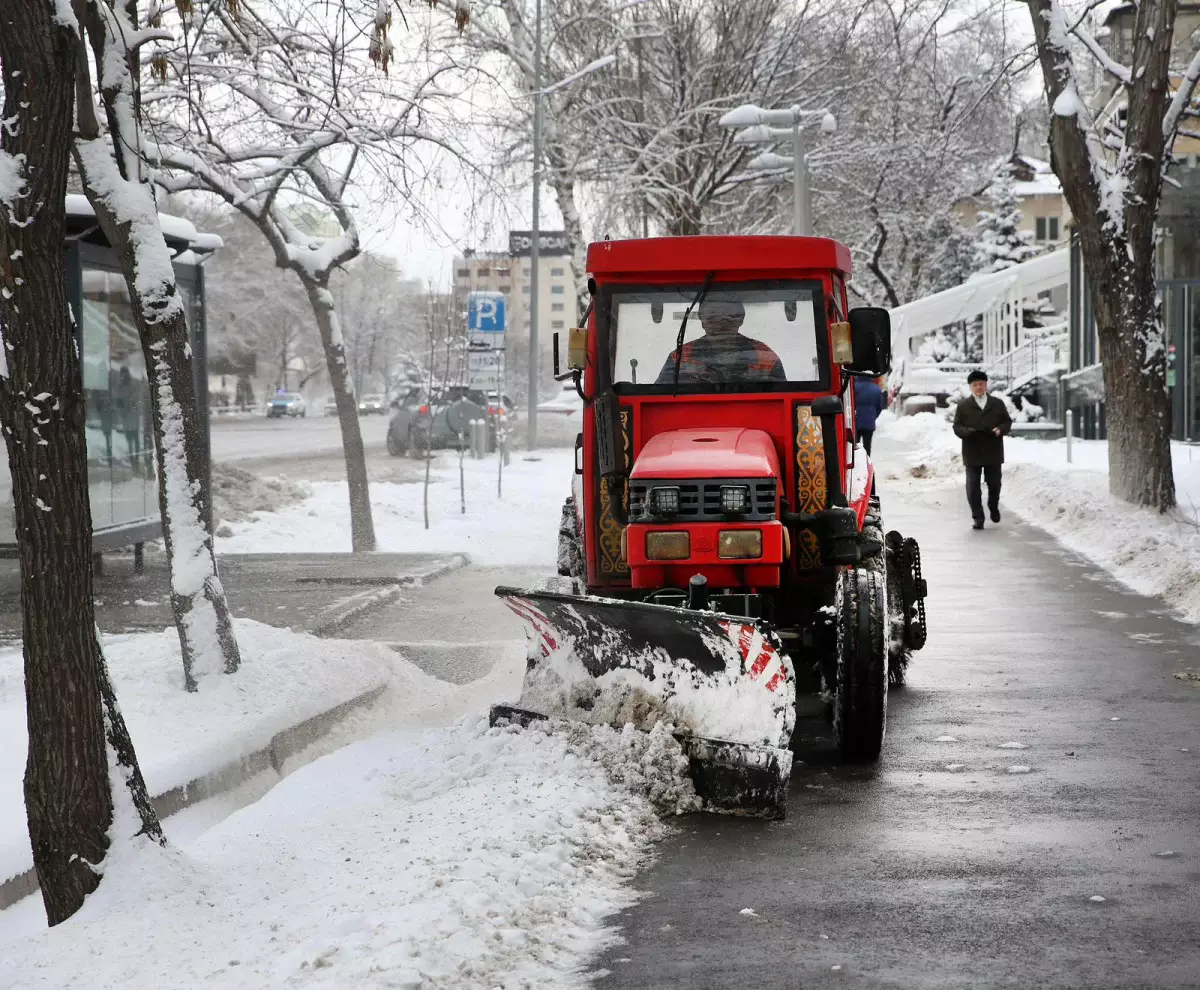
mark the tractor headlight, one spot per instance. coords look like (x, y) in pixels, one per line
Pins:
(739, 544)
(668, 546)
(664, 501)
(735, 500)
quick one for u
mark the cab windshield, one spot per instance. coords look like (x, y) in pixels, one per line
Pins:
(741, 337)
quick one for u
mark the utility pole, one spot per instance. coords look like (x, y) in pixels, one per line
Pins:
(534, 366)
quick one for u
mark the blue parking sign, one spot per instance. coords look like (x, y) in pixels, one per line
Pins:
(485, 312)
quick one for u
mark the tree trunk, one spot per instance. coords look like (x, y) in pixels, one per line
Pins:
(68, 795)
(1134, 360)
(362, 526)
(202, 617)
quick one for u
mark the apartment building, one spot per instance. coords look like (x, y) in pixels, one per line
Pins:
(509, 272)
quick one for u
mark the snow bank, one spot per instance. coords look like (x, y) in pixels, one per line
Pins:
(1150, 553)
(285, 679)
(464, 857)
(517, 529)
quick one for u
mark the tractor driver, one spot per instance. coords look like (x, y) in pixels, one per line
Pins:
(723, 354)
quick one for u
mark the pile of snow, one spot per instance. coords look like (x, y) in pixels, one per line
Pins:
(238, 494)
(1153, 554)
(514, 528)
(285, 678)
(464, 857)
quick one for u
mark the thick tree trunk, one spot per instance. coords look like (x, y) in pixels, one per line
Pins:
(1116, 218)
(206, 637)
(68, 795)
(362, 525)
(1137, 404)
(124, 204)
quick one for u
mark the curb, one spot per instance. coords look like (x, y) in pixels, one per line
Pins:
(356, 606)
(270, 759)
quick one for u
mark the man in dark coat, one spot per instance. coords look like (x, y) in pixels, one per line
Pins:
(981, 421)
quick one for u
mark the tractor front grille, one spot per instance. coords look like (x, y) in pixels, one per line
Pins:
(700, 501)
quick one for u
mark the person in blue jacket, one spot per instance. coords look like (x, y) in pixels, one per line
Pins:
(868, 404)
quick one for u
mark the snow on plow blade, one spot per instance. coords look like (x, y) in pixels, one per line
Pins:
(722, 681)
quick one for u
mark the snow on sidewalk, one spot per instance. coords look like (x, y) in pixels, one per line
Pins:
(515, 529)
(285, 678)
(1153, 554)
(463, 857)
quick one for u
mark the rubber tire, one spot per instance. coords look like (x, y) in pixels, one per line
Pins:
(860, 695)
(394, 447)
(571, 560)
(898, 654)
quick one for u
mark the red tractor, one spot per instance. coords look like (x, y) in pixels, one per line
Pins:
(723, 549)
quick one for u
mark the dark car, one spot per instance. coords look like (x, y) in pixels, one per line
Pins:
(422, 422)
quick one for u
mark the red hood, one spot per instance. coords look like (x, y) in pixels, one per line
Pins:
(724, 452)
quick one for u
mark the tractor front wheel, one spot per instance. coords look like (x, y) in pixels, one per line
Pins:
(860, 694)
(570, 549)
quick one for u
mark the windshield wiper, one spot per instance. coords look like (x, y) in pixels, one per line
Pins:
(699, 298)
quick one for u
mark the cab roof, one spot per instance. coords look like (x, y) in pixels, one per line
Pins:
(768, 256)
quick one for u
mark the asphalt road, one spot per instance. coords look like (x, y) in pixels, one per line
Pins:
(948, 865)
(262, 438)
(274, 441)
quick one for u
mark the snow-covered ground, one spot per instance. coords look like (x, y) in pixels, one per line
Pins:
(1153, 554)
(519, 526)
(463, 857)
(285, 678)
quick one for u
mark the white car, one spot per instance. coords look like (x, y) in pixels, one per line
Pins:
(372, 405)
(566, 403)
(329, 406)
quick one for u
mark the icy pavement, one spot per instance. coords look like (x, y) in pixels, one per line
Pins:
(513, 528)
(463, 857)
(1151, 553)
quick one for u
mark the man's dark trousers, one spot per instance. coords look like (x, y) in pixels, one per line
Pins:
(991, 475)
(865, 436)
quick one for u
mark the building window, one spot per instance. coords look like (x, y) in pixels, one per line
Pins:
(556, 273)
(505, 288)
(557, 290)
(557, 324)
(525, 289)
(483, 272)
(556, 307)
(464, 273)
(1046, 229)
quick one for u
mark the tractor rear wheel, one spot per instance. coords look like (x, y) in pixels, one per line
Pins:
(860, 694)
(899, 654)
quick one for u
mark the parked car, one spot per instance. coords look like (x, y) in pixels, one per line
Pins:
(370, 405)
(566, 403)
(329, 406)
(287, 404)
(422, 422)
(498, 403)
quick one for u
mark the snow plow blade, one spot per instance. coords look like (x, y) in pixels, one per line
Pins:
(722, 682)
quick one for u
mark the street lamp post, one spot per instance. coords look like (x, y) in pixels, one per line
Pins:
(759, 126)
(534, 364)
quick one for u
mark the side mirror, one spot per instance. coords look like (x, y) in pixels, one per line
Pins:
(827, 405)
(871, 335)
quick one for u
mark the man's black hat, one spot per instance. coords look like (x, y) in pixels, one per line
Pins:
(977, 376)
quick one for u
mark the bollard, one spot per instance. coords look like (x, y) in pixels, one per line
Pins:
(480, 439)
(1070, 424)
(475, 439)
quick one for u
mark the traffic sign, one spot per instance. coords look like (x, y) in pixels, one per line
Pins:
(485, 312)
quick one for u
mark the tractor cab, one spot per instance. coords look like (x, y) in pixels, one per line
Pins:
(720, 371)
(723, 550)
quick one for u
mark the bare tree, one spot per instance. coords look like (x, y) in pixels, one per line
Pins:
(110, 167)
(300, 127)
(1112, 176)
(83, 788)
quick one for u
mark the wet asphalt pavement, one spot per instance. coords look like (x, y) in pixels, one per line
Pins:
(961, 860)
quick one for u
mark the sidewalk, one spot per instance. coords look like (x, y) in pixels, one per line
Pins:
(315, 593)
